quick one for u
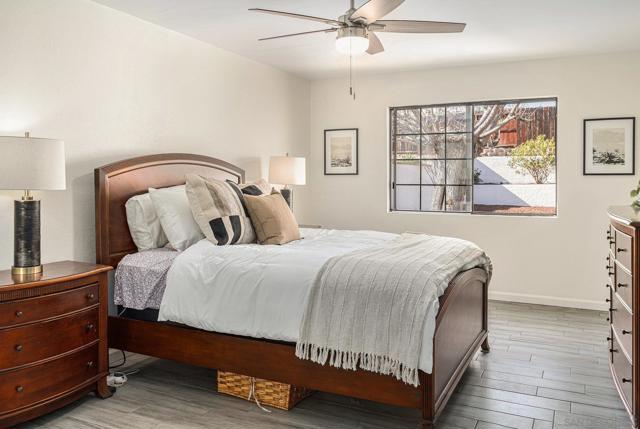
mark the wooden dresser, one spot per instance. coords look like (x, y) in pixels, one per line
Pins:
(53, 339)
(623, 236)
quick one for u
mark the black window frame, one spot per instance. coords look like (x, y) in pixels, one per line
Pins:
(472, 104)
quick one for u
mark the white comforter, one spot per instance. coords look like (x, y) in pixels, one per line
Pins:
(261, 291)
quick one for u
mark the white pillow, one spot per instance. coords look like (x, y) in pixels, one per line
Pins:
(176, 219)
(144, 223)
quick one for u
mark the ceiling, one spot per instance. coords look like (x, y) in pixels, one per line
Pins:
(497, 30)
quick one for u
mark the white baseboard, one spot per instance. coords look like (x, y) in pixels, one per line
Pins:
(548, 300)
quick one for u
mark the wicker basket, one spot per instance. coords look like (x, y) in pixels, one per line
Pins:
(271, 393)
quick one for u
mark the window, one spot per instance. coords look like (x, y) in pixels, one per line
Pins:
(487, 157)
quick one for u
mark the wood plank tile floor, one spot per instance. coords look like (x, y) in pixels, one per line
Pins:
(547, 369)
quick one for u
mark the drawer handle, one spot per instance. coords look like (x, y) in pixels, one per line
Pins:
(90, 327)
(626, 332)
(613, 309)
(608, 338)
(607, 300)
(19, 313)
(623, 285)
(609, 267)
(626, 380)
(607, 285)
(18, 347)
(613, 350)
(90, 296)
(620, 249)
(608, 320)
(19, 389)
(90, 364)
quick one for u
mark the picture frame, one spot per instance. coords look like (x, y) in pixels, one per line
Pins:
(341, 151)
(609, 146)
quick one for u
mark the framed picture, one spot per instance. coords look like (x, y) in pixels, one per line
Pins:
(341, 151)
(609, 146)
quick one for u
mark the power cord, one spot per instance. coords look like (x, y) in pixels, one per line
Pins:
(124, 356)
(124, 361)
(119, 378)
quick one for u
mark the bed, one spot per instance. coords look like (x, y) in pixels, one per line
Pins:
(461, 321)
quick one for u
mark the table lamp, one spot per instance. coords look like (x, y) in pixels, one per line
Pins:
(27, 164)
(287, 170)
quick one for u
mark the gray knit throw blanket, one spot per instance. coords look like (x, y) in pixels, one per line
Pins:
(367, 308)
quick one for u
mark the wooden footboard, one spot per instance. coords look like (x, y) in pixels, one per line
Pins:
(461, 327)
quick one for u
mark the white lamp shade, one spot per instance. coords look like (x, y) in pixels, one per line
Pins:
(31, 163)
(287, 170)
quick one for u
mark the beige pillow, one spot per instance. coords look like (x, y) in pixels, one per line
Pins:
(272, 219)
(217, 207)
(144, 223)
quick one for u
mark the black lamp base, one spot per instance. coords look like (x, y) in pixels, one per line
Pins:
(26, 237)
(288, 197)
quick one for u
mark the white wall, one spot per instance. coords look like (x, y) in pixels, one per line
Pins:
(113, 87)
(548, 260)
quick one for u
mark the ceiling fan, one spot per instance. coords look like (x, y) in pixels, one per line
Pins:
(357, 27)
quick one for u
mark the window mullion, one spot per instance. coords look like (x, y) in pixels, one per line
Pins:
(395, 158)
(473, 156)
(420, 162)
(446, 159)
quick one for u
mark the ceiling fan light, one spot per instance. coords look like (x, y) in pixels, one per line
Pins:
(352, 40)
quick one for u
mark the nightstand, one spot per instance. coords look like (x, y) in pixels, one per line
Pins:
(53, 332)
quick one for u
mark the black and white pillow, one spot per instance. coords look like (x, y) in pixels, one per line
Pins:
(259, 187)
(219, 208)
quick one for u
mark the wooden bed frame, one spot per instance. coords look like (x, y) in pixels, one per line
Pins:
(461, 324)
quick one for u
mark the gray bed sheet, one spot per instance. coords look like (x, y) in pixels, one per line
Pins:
(141, 278)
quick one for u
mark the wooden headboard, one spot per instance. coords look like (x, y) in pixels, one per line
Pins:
(116, 183)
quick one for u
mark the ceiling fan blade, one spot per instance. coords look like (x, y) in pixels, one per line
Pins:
(327, 30)
(297, 15)
(375, 45)
(391, 26)
(373, 10)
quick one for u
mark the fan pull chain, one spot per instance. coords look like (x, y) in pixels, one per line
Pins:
(351, 91)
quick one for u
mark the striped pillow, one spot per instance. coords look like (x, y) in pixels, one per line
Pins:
(218, 208)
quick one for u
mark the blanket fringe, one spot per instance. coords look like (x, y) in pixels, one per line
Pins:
(354, 360)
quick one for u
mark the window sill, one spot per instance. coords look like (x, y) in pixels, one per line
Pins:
(477, 214)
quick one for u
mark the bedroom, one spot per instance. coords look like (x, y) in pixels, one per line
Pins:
(116, 84)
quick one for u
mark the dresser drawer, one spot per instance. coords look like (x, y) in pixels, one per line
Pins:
(622, 371)
(623, 285)
(31, 343)
(621, 324)
(37, 383)
(623, 249)
(43, 307)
